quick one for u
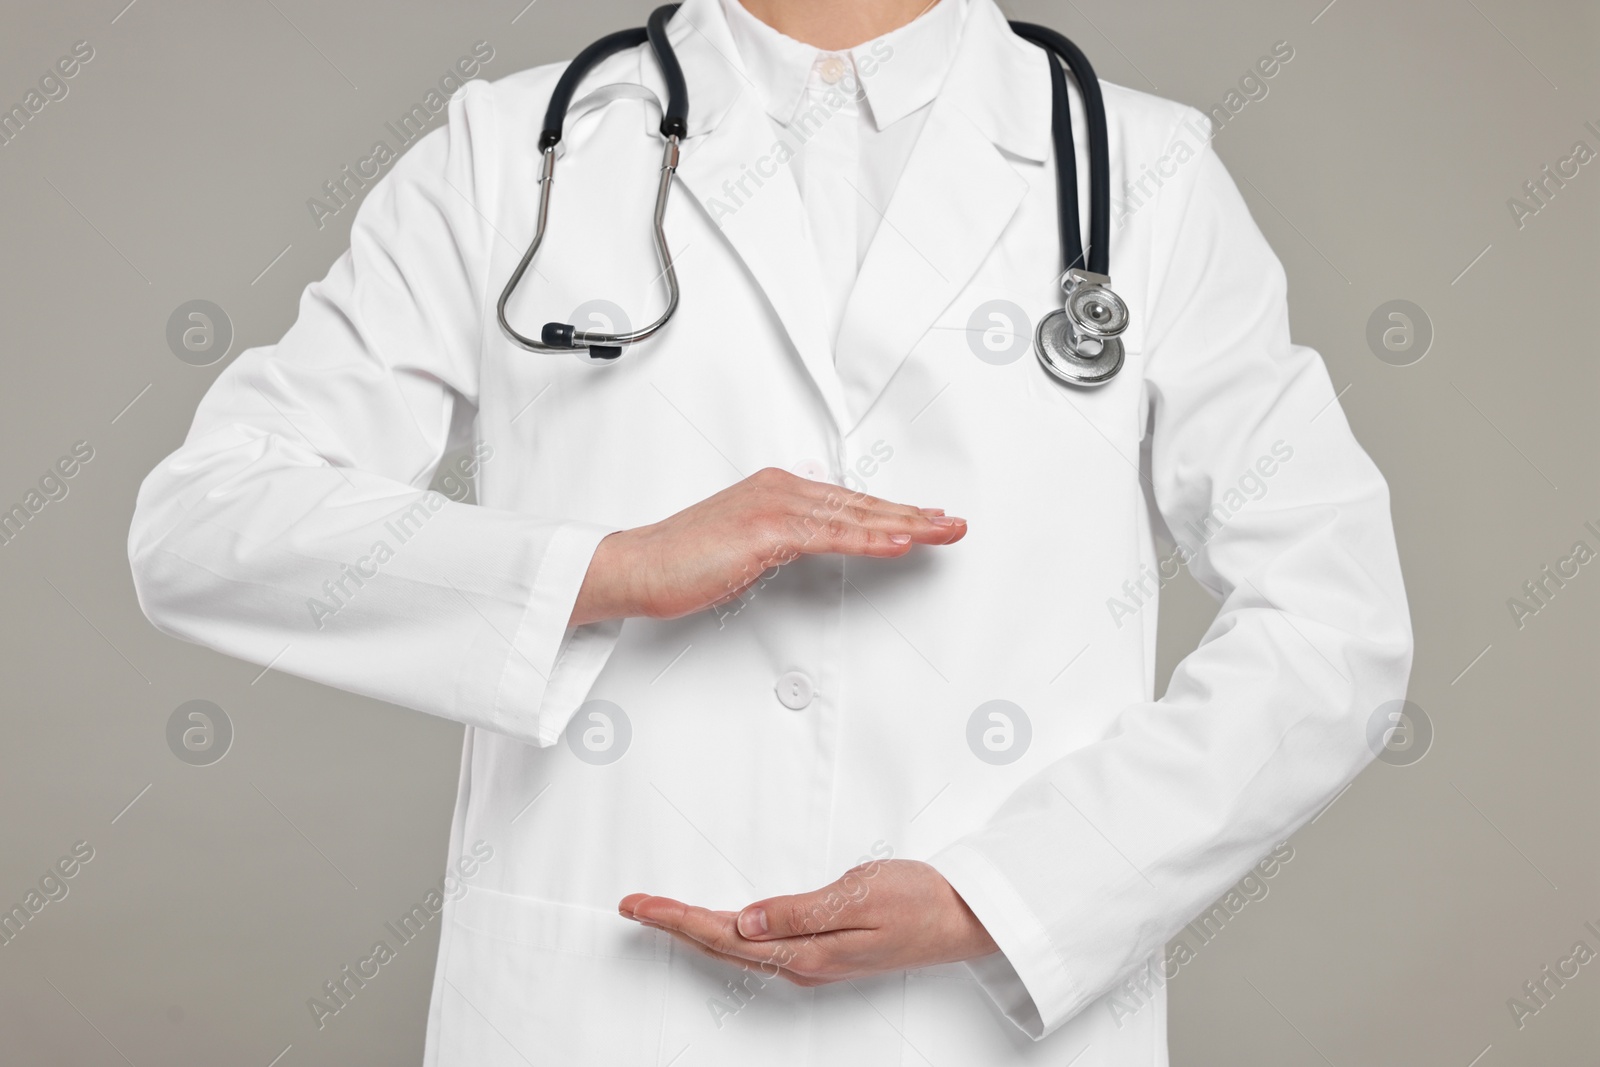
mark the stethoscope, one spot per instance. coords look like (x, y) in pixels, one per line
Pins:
(1079, 343)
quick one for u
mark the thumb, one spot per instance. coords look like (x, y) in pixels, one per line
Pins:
(840, 906)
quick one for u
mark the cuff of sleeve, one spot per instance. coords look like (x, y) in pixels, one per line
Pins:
(552, 666)
(1027, 972)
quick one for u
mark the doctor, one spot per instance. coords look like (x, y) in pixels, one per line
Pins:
(782, 761)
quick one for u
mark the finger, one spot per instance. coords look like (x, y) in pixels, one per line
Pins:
(844, 905)
(860, 532)
(760, 958)
(714, 929)
(925, 529)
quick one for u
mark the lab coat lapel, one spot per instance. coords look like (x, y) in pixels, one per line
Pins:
(953, 201)
(730, 169)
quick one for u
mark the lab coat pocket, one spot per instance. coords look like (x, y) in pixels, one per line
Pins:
(536, 981)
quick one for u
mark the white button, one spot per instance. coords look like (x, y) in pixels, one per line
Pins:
(795, 690)
(812, 469)
(831, 69)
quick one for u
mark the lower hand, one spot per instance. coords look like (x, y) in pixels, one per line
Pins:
(711, 552)
(889, 915)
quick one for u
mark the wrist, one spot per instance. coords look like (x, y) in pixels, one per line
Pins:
(609, 588)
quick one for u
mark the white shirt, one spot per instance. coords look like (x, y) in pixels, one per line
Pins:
(850, 120)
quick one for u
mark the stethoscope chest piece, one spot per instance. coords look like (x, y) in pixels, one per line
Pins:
(1079, 343)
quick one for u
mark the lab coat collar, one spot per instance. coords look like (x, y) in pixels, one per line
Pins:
(960, 188)
(745, 188)
(952, 203)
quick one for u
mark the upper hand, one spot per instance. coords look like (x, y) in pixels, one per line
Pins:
(888, 915)
(712, 551)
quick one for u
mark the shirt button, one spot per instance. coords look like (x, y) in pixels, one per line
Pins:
(811, 469)
(831, 69)
(795, 690)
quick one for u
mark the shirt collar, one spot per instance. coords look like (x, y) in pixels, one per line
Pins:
(898, 72)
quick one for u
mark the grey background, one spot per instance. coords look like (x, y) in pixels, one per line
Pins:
(1379, 165)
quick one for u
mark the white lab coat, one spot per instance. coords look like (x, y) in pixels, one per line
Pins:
(1124, 815)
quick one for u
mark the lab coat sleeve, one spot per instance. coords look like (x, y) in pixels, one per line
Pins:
(294, 528)
(1086, 872)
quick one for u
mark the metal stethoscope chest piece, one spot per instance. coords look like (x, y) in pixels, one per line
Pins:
(1078, 344)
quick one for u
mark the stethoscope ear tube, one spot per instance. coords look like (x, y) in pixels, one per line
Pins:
(560, 336)
(675, 120)
(1094, 107)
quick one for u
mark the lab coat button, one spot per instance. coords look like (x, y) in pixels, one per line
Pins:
(795, 690)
